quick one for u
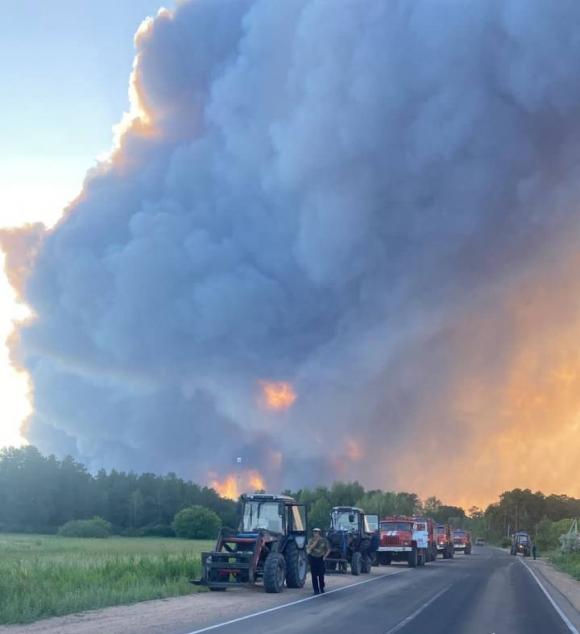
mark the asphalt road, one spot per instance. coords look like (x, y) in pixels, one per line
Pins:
(488, 592)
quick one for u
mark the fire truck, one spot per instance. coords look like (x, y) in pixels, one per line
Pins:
(461, 541)
(409, 539)
(444, 541)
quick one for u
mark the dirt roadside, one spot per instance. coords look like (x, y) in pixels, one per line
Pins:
(181, 615)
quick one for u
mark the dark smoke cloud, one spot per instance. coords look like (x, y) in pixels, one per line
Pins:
(344, 195)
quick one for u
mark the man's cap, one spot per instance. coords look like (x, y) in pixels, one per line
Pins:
(316, 530)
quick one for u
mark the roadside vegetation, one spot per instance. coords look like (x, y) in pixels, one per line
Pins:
(50, 575)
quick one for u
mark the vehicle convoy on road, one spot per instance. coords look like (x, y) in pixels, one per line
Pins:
(351, 539)
(521, 543)
(407, 539)
(269, 546)
(444, 540)
(461, 541)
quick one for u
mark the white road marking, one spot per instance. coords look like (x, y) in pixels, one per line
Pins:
(564, 618)
(287, 605)
(416, 613)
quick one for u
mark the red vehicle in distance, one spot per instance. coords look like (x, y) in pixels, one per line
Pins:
(444, 540)
(462, 541)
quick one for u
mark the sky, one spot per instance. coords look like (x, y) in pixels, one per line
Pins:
(65, 70)
(333, 240)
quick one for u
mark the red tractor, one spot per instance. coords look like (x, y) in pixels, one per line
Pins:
(444, 540)
(461, 541)
(268, 546)
(404, 539)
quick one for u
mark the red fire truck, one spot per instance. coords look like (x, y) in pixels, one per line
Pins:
(409, 539)
(444, 541)
(462, 541)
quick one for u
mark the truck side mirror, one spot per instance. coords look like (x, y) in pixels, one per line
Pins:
(351, 518)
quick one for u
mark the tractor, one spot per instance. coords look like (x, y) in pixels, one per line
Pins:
(521, 543)
(353, 540)
(269, 546)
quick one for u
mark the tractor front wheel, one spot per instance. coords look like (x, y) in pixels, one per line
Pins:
(274, 572)
(295, 565)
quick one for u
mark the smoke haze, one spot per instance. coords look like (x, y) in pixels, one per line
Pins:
(373, 203)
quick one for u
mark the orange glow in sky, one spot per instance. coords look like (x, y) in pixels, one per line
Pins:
(277, 395)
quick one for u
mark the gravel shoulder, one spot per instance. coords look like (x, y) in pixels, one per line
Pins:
(182, 615)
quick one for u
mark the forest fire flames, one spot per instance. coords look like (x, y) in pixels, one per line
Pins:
(277, 395)
(234, 484)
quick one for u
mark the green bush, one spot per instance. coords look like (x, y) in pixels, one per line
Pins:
(95, 527)
(196, 522)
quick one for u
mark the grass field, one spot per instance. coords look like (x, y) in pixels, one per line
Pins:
(48, 575)
(569, 563)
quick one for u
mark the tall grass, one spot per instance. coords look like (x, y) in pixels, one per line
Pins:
(42, 576)
(568, 562)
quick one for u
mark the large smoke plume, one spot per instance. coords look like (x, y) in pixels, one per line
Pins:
(376, 202)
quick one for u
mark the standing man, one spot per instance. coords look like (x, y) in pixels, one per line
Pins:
(534, 551)
(317, 549)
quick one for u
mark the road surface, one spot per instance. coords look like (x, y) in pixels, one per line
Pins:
(488, 592)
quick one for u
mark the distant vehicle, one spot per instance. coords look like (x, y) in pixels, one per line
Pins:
(269, 546)
(444, 541)
(407, 539)
(480, 541)
(461, 541)
(521, 543)
(351, 540)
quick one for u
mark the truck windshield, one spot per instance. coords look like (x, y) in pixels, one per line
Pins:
(264, 515)
(440, 530)
(341, 521)
(396, 526)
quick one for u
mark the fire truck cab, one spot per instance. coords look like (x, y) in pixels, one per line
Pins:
(444, 541)
(461, 541)
(403, 539)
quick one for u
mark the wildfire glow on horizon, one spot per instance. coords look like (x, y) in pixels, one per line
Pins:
(234, 484)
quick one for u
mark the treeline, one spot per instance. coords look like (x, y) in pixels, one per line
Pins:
(40, 494)
(523, 510)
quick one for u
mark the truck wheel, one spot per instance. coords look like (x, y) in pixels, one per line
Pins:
(412, 559)
(274, 572)
(365, 567)
(468, 551)
(421, 558)
(356, 564)
(295, 565)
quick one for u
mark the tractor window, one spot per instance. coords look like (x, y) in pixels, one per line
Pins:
(371, 523)
(265, 515)
(345, 521)
(298, 522)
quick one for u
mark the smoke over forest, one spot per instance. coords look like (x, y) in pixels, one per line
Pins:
(334, 240)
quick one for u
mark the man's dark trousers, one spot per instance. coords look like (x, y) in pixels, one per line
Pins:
(317, 571)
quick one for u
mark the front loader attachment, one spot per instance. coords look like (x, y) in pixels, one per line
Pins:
(234, 562)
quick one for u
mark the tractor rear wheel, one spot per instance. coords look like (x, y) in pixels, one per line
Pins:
(366, 563)
(274, 572)
(356, 564)
(295, 565)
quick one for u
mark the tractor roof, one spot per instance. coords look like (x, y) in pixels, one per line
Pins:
(268, 497)
(354, 509)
